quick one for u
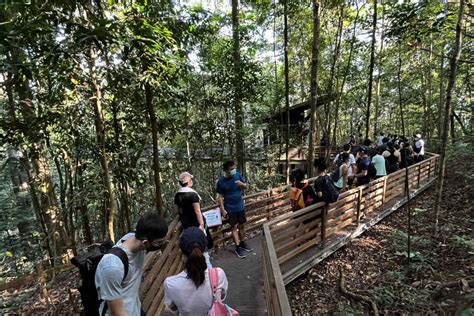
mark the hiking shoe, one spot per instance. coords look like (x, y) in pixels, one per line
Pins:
(243, 245)
(240, 252)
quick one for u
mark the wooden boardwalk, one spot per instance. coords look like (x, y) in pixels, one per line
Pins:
(245, 277)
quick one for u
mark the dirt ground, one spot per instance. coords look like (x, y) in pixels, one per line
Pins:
(375, 264)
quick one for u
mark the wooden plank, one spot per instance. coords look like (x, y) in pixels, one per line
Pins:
(292, 234)
(311, 230)
(299, 249)
(292, 221)
(284, 305)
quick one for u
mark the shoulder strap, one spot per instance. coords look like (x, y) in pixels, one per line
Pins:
(213, 280)
(119, 252)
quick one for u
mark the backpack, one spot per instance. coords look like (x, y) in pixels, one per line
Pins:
(297, 198)
(330, 192)
(87, 264)
(336, 174)
(372, 172)
(218, 308)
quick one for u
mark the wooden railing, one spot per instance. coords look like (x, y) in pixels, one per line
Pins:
(287, 236)
(260, 208)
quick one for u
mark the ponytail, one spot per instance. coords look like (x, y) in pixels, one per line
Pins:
(195, 266)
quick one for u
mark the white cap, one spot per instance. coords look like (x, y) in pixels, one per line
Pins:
(185, 177)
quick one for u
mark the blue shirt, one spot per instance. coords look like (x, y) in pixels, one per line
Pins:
(233, 201)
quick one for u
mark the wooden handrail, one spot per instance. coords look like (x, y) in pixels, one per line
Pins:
(372, 196)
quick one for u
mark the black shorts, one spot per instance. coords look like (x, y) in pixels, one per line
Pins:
(237, 217)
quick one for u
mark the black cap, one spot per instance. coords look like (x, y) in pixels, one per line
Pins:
(192, 237)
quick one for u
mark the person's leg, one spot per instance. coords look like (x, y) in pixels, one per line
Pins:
(233, 221)
(242, 220)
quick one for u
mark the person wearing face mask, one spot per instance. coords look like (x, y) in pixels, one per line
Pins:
(120, 295)
(230, 187)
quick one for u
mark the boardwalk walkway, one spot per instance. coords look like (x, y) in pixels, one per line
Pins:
(245, 278)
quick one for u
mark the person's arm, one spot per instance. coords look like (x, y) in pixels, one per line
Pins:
(197, 211)
(241, 183)
(170, 305)
(116, 307)
(345, 172)
(221, 204)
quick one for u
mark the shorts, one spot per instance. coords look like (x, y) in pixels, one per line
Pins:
(237, 217)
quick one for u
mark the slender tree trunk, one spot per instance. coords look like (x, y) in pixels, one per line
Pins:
(447, 111)
(371, 71)
(463, 128)
(313, 137)
(330, 88)
(344, 78)
(287, 92)
(379, 75)
(441, 100)
(86, 227)
(239, 114)
(156, 151)
(109, 196)
(399, 84)
(451, 125)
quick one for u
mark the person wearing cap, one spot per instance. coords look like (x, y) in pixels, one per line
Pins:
(230, 187)
(120, 295)
(419, 150)
(187, 203)
(189, 292)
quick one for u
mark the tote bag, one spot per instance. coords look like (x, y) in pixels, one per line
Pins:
(218, 308)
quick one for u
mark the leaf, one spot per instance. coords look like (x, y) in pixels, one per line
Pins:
(9, 254)
(74, 81)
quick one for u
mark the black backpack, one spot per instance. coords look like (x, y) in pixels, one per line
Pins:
(87, 264)
(372, 172)
(331, 193)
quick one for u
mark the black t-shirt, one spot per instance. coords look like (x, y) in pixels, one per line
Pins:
(184, 201)
(319, 184)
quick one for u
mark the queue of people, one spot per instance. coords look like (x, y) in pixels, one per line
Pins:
(196, 289)
(357, 165)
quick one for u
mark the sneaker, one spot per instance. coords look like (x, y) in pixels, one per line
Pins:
(239, 252)
(243, 245)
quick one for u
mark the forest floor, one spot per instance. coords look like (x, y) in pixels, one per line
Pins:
(374, 265)
(440, 278)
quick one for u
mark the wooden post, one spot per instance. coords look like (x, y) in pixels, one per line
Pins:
(419, 175)
(384, 190)
(359, 202)
(323, 223)
(429, 170)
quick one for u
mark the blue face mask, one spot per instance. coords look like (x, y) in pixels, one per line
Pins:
(233, 172)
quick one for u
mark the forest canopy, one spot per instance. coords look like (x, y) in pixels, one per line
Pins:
(104, 103)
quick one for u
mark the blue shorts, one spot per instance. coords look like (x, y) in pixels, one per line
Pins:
(237, 217)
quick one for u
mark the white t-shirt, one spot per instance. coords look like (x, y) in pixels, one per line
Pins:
(191, 301)
(420, 143)
(379, 140)
(109, 276)
(352, 162)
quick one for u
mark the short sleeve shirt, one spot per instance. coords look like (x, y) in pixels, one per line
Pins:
(364, 165)
(233, 201)
(189, 300)
(110, 283)
(319, 184)
(184, 201)
(379, 163)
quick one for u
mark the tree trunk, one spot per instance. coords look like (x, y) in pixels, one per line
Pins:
(452, 130)
(331, 81)
(237, 82)
(346, 72)
(399, 84)
(441, 100)
(313, 137)
(156, 151)
(371, 72)
(379, 75)
(109, 196)
(86, 227)
(447, 111)
(287, 92)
